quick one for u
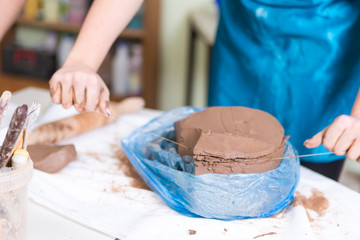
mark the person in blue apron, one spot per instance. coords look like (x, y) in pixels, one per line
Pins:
(299, 61)
(296, 59)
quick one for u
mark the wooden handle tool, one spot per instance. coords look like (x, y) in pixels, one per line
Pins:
(34, 112)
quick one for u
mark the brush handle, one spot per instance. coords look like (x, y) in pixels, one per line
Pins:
(15, 128)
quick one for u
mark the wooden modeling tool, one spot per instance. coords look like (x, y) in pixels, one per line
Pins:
(21, 156)
(30, 120)
(14, 131)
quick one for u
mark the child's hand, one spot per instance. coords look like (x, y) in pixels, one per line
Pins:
(81, 87)
(341, 137)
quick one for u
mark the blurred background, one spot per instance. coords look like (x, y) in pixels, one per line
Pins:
(163, 55)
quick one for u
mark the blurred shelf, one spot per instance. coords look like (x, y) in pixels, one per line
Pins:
(75, 28)
(56, 26)
(14, 82)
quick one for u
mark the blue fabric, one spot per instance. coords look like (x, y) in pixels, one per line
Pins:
(298, 60)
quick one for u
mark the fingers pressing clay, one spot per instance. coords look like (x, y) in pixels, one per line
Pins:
(55, 90)
(79, 97)
(92, 98)
(104, 102)
(66, 93)
(81, 87)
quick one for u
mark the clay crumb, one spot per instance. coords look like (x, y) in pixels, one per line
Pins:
(97, 156)
(117, 239)
(225, 230)
(192, 232)
(265, 234)
(115, 189)
(317, 202)
(127, 168)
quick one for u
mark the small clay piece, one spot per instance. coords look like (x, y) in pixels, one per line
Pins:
(51, 158)
(228, 140)
(192, 232)
(265, 234)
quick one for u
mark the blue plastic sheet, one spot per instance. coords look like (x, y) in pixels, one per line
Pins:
(220, 196)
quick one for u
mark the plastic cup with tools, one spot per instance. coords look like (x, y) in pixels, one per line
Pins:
(14, 200)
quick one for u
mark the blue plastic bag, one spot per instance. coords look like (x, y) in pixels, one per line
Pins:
(220, 196)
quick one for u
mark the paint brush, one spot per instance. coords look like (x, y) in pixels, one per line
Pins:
(4, 101)
(34, 112)
(14, 131)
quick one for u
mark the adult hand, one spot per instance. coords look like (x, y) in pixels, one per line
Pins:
(81, 87)
(341, 137)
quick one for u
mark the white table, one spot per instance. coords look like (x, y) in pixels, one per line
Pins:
(43, 223)
(338, 223)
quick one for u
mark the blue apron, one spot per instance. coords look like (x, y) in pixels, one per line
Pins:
(296, 59)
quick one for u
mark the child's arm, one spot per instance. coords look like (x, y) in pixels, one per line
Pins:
(77, 82)
(343, 136)
(9, 10)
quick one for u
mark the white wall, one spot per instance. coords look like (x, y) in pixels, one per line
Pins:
(174, 47)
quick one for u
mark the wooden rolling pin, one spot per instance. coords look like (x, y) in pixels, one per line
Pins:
(62, 129)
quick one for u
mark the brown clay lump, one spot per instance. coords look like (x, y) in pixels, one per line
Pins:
(229, 140)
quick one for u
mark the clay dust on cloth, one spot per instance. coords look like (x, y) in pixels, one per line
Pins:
(101, 191)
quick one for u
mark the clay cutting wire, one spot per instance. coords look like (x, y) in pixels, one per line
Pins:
(182, 145)
(305, 155)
